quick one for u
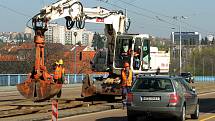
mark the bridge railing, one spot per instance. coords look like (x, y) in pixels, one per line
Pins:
(13, 79)
(204, 78)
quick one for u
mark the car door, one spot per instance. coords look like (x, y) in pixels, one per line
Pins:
(193, 95)
(187, 95)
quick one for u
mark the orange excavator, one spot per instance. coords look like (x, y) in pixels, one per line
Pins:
(40, 85)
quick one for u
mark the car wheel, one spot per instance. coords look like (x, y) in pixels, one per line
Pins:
(196, 114)
(131, 115)
(183, 114)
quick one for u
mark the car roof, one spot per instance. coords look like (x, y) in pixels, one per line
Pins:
(158, 76)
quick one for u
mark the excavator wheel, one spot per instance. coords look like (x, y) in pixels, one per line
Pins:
(38, 90)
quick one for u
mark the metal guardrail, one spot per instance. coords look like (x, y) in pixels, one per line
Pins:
(204, 78)
(13, 79)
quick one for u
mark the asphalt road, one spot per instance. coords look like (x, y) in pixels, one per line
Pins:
(11, 95)
(207, 112)
(207, 106)
(11, 92)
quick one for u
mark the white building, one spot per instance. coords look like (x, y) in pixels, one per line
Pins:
(210, 37)
(68, 37)
(187, 38)
(49, 33)
(59, 34)
(55, 34)
(28, 30)
(83, 36)
(87, 38)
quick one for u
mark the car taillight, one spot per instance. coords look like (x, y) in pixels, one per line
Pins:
(129, 97)
(173, 99)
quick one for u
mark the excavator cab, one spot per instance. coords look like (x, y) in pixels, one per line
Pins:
(134, 49)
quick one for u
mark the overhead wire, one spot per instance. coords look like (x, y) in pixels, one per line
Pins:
(43, 3)
(14, 11)
(18, 13)
(185, 26)
(138, 13)
(144, 9)
(161, 14)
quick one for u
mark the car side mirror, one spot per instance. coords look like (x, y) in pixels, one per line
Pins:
(193, 89)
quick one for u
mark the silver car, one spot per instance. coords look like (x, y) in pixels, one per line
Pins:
(162, 96)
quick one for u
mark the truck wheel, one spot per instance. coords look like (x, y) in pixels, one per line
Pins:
(196, 114)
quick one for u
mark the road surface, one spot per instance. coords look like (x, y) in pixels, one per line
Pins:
(207, 112)
(207, 106)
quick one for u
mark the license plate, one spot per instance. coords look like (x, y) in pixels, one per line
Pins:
(143, 98)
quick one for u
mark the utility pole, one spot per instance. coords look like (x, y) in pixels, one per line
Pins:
(212, 68)
(180, 54)
(75, 34)
(194, 67)
(178, 18)
(203, 68)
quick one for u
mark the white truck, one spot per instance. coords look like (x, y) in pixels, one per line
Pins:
(159, 60)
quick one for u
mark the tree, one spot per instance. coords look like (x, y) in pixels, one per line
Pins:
(202, 41)
(161, 43)
(1, 41)
(98, 41)
(206, 40)
(201, 61)
(213, 40)
(94, 42)
(79, 43)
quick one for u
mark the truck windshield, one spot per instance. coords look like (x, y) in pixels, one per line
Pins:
(123, 51)
(152, 84)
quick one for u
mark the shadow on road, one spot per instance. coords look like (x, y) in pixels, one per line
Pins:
(207, 105)
(6, 100)
(113, 119)
(139, 119)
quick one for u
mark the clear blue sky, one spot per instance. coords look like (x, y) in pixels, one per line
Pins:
(200, 13)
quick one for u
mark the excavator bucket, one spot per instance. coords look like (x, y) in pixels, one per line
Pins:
(40, 85)
(88, 89)
(38, 90)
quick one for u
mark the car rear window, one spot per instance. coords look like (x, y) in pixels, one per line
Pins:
(152, 85)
